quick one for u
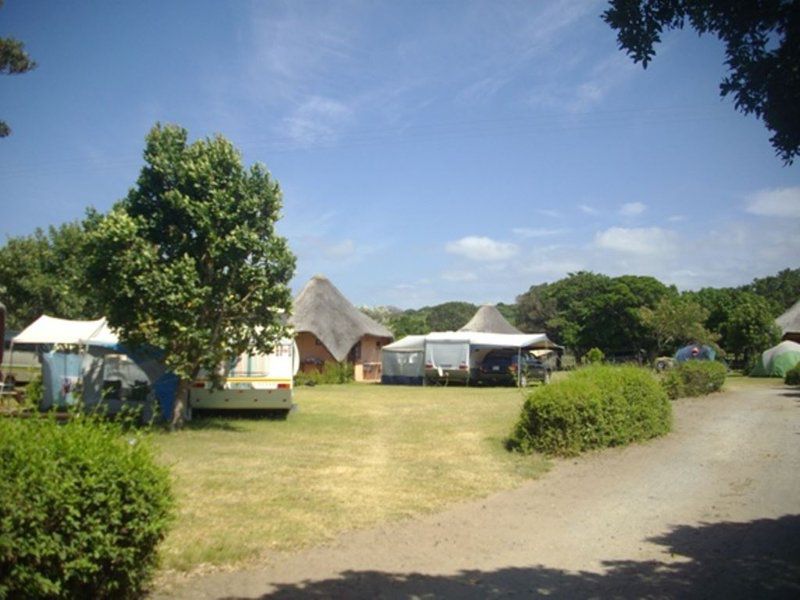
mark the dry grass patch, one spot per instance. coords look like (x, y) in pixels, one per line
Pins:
(353, 456)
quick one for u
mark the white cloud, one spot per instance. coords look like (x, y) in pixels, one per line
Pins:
(519, 36)
(318, 120)
(779, 202)
(632, 208)
(482, 248)
(459, 276)
(598, 80)
(589, 210)
(676, 218)
(341, 250)
(531, 232)
(642, 241)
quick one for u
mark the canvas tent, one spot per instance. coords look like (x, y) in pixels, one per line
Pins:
(329, 328)
(776, 361)
(489, 320)
(103, 366)
(61, 369)
(789, 322)
(402, 361)
(450, 355)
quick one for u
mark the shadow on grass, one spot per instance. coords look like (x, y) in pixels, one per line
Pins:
(231, 420)
(759, 559)
(213, 424)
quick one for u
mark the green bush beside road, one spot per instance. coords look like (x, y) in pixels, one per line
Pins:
(793, 376)
(694, 378)
(597, 407)
(82, 508)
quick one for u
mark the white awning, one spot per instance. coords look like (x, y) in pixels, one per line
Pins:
(50, 330)
(493, 340)
(414, 343)
(410, 343)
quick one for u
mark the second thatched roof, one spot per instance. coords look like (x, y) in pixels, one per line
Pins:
(321, 309)
(489, 320)
(789, 322)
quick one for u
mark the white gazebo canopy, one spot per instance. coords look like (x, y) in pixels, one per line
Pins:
(50, 330)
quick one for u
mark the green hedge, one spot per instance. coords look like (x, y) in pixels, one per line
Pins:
(793, 375)
(82, 508)
(694, 378)
(332, 372)
(596, 407)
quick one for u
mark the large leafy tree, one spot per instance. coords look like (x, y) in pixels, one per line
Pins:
(750, 327)
(13, 61)
(45, 272)
(782, 289)
(676, 320)
(450, 316)
(762, 48)
(586, 310)
(189, 262)
(536, 310)
(718, 303)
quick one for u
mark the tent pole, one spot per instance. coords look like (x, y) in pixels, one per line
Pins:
(424, 361)
(519, 366)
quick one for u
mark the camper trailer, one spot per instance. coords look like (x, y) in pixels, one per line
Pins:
(442, 358)
(447, 361)
(256, 382)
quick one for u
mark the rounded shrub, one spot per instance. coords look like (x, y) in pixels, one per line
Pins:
(694, 378)
(793, 375)
(594, 356)
(82, 509)
(596, 407)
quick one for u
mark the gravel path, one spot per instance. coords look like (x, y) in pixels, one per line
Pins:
(711, 510)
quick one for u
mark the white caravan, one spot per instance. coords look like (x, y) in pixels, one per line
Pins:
(257, 382)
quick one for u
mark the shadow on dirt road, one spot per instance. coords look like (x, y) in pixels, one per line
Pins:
(757, 559)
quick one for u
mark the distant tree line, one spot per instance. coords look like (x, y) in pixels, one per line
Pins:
(628, 316)
(45, 272)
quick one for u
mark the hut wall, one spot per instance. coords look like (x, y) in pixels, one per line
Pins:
(368, 358)
(313, 353)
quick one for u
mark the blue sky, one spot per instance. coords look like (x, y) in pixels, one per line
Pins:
(427, 151)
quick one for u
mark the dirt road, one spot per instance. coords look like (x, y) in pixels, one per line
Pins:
(712, 510)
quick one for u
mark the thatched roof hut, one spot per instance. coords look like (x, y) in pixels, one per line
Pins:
(789, 322)
(489, 320)
(324, 317)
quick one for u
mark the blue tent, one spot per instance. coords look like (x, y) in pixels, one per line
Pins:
(695, 352)
(163, 382)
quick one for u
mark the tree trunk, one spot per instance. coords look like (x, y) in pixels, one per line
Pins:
(179, 405)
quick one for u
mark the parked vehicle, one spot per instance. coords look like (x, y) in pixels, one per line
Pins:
(21, 365)
(255, 383)
(500, 367)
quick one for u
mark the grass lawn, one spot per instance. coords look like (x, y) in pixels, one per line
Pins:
(353, 456)
(737, 381)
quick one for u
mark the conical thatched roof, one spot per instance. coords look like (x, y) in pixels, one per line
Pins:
(321, 309)
(489, 320)
(789, 322)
